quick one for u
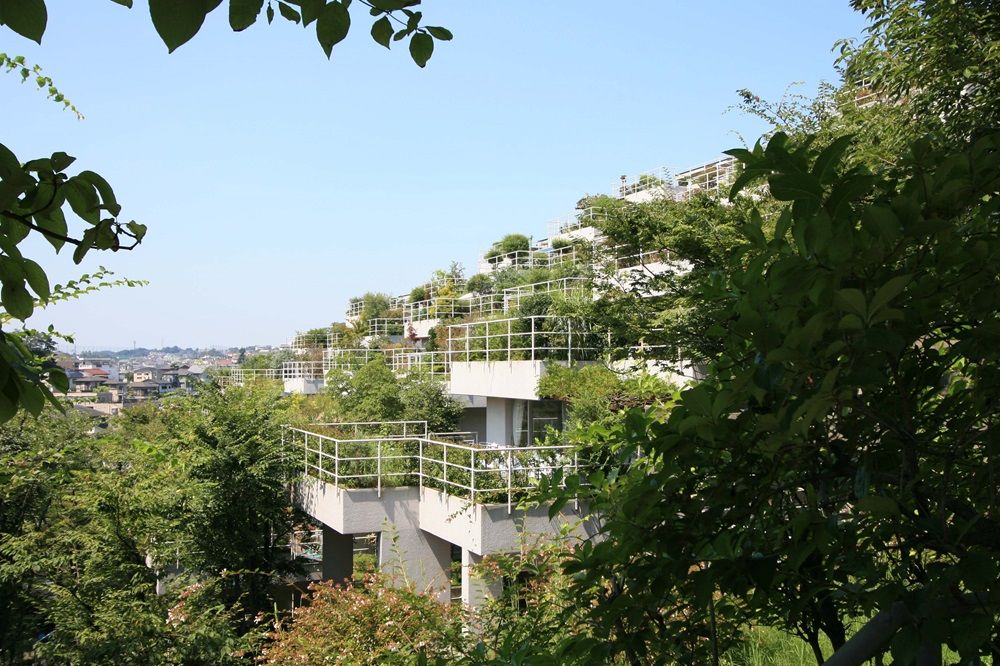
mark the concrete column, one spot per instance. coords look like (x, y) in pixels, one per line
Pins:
(338, 555)
(499, 420)
(411, 556)
(476, 589)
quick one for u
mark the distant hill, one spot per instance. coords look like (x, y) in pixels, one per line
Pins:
(140, 352)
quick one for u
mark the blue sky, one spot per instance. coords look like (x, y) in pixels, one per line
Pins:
(277, 184)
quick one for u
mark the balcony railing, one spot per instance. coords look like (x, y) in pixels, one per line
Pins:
(302, 370)
(679, 183)
(483, 305)
(481, 473)
(348, 360)
(536, 338)
(409, 360)
(436, 308)
(243, 376)
(355, 308)
(567, 286)
(314, 340)
(385, 327)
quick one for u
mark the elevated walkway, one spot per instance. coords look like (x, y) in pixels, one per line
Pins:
(424, 495)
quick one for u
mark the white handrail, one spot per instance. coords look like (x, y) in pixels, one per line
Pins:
(475, 470)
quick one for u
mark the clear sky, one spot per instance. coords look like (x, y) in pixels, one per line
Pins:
(277, 184)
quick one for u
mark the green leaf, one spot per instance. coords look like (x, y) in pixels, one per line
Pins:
(177, 21)
(795, 187)
(332, 26)
(851, 300)
(310, 9)
(288, 13)
(59, 380)
(17, 301)
(82, 198)
(877, 505)
(13, 186)
(421, 48)
(61, 160)
(393, 5)
(123, 3)
(244, 13)
(888, 291)
(104, 189)
(36, 277)
(270, 13)
(138, 230)
(25, 17)
(54, 221)
(382, 31)
(32, 398)
(826, 163)
(437, 32)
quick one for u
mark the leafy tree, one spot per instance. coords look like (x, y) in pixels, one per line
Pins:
(509, 243)
(90, 525)
(372, 394)
(833, 463)
(425, 398)
(597, 394)
(938, 58)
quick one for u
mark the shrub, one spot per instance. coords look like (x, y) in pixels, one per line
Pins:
(367, 623)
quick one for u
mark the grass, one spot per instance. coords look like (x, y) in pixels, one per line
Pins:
(766, 646)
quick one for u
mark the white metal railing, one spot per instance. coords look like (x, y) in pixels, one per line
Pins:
(348, 360)
(453, 283)
(465, 436)
(436, 308)
(410, 360)
(679, 183)
(535, 338)
(357, 429)
(512, 296)
(516, 259)
(302, 370)
(243, 376)
(483, 305)
(621, 262)
(581, 219)
(355, 308)
(484, 473)
(311, 340)
(385, 326)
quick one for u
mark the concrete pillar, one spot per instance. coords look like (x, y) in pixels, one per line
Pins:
(411, 556)
(338, 555)
(499, 420)
(477, 589)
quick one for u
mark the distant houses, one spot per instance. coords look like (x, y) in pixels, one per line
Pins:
(106, 386)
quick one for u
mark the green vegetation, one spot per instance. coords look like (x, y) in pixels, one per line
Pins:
(596, 394)
(374, 393)
(508, 244)
(87, 525)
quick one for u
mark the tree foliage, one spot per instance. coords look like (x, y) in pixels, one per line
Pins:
(177, 21)
(187, 495)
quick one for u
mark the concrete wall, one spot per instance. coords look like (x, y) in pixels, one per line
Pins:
(501, 379)
(485, 529)
(407, 554)
(499, 421)
(474, 420)
(305, 386)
